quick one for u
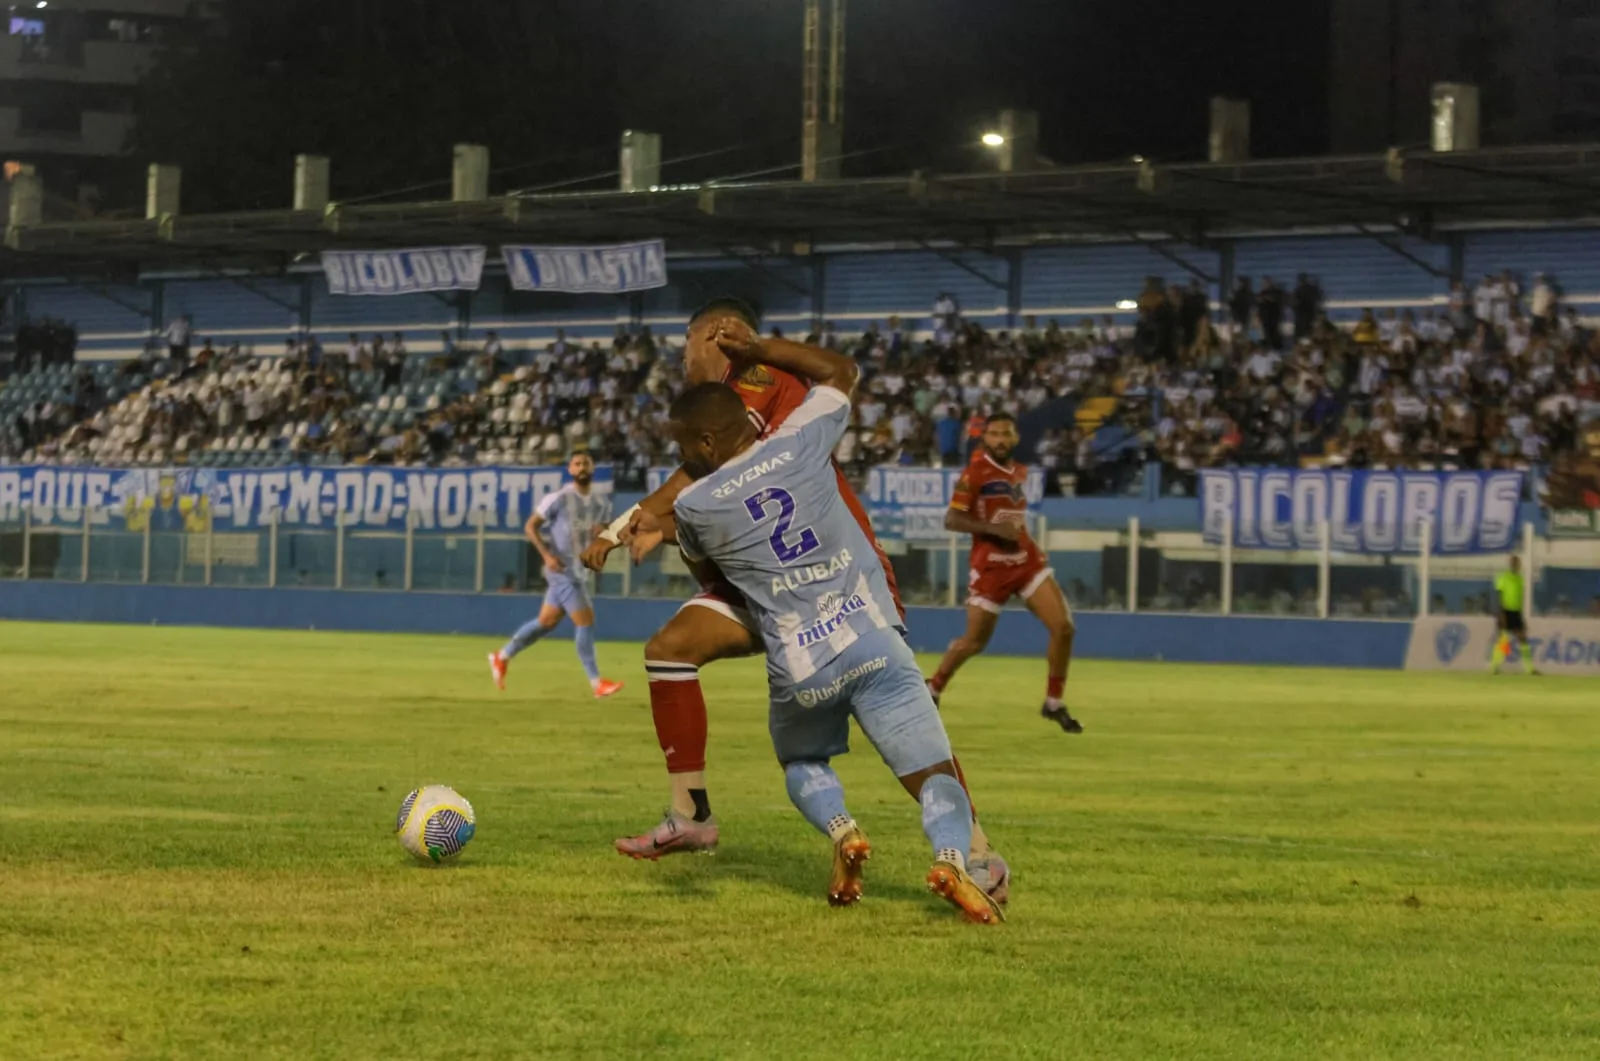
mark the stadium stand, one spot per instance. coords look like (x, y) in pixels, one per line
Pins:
(1447, 390)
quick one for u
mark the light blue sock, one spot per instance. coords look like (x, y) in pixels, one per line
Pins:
(815, 790)
(526, 634)
(947, 818)
(584, 639)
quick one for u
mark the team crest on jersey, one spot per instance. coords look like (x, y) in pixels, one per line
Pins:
(755, 378)
(1004, 488)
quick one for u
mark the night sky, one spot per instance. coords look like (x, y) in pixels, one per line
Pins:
(1109, 79)
(385, 86)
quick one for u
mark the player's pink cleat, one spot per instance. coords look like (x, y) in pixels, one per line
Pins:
(497, 667)
(674, 835)
(951, 883)
(992, 875)
(606, 687)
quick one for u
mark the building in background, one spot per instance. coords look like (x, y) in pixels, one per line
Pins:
(1536, 62)
(68, 71)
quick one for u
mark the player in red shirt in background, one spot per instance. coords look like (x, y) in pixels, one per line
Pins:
(714, 624)
(989, 504)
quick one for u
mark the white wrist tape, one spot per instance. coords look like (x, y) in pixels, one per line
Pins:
(613, 533)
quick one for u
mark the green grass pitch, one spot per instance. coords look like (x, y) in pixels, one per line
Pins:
(196, 861)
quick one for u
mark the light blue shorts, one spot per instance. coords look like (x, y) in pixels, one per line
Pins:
(876, 680)
(567, 593)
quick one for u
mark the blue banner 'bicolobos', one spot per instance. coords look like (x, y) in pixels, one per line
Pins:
(1366, 511)
(910, 503)
(404, 272)
(610, 269)
(432, 499)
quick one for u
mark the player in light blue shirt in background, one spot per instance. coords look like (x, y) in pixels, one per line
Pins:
(768, 515)
(570, 515)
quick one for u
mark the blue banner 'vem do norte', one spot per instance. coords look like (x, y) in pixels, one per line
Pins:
(1366, 511)
(193, 499)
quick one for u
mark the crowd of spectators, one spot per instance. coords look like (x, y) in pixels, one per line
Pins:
(1497, 377)
(1490, 380)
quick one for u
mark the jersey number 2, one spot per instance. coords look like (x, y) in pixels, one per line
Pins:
(786, 551)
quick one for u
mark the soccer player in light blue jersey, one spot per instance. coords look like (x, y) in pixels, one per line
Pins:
(769, 517)
(570, 515)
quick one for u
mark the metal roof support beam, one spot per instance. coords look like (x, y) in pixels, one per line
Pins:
(250, 286)
(955, 260)
(1397, 249)
(754, 264)
(147, 312)
(1174, 257)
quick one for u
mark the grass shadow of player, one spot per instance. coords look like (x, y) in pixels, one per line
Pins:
(802, 872)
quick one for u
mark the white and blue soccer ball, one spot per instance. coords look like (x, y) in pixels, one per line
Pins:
(435, 823)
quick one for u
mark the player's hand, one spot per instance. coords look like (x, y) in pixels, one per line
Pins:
(553, 565)
(594, 557)
(738, 342)
(1007, 530)
(645, 535)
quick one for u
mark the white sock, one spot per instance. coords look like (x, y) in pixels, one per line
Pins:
(1053, 703)
(952, 856)
(839, 825)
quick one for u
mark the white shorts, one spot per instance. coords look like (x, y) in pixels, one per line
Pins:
(719, 604)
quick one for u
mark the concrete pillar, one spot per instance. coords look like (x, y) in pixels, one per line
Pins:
(27, 198)
(640, 161)
(1230, 130)
(1019, 153)
(162, 186)
(1455, 116)
(311, 182)
(470, 179)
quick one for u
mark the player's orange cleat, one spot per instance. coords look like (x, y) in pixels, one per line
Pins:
(497, 667)
(850, 855)
(951, 883)
(606, 687)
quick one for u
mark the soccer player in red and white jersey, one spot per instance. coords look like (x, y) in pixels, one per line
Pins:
(989, 504)
(714, 624)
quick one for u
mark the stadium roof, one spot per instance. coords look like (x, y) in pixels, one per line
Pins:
(1417, 192)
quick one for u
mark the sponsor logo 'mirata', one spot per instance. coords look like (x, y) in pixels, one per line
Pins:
(751, 474)
(824, 693)
(833, 615)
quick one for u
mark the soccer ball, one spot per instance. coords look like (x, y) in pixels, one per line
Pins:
(435, 823)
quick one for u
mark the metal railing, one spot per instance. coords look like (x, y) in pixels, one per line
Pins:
(1129, 568)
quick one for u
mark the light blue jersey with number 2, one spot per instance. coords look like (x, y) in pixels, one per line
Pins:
(772, 520)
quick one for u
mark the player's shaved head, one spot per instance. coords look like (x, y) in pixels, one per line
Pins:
(727, 306)
(711, 426)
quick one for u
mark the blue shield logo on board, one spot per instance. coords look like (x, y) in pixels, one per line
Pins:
(1450, 640)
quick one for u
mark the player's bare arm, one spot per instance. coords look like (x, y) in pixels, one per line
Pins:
(625, 530)
(552, 562)
(823, 368)
(965, 523)
(652, 523)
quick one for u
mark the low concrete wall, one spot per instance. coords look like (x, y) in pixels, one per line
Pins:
(1101, 635)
